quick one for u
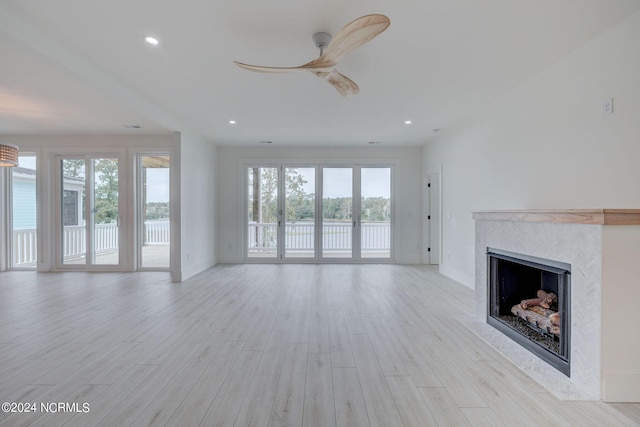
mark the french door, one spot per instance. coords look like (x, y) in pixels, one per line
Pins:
(89, 222)
(322, 213)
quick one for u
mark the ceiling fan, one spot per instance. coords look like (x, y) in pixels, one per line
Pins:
(350, 37)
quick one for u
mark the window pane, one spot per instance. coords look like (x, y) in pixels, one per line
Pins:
(337, 212)
(375, 209)
(299, 212)
(262, 236)
(105, 211)
(155, 211)
(73, 201)
(24, 249)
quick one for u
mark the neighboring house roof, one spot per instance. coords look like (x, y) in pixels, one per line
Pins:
(30, 174)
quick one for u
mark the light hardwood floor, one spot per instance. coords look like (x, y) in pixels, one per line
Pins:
(270, 345)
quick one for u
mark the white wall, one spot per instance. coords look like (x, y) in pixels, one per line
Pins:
(546, 144)
(198, 159)
(407, 186)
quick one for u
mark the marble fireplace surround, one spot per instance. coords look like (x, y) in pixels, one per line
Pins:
(603, 248)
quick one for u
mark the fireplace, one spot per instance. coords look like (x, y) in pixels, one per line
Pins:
(528, 301)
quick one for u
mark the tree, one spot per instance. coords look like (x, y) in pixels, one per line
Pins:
(106, 186)
(263, 185)
(106, 193)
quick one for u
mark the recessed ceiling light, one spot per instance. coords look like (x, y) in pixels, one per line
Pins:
(374, 142)
(265, 142)
(436, 130)
(152, 40)
(132, 126)
(407, 122)
(232, 122)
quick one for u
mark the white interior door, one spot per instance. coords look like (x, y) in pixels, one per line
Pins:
(433, 219)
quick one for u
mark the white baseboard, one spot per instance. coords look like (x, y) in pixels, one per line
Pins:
(192, 270)
(458, 276)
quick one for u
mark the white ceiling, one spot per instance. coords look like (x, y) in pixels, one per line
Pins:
(82, 67)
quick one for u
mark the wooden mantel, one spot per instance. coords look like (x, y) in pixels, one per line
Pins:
(565, 216)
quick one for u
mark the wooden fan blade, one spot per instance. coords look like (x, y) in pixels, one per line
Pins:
(262, 69)
(342, 83)
(350, 37)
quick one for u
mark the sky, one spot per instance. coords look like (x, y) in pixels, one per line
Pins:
(157, 184)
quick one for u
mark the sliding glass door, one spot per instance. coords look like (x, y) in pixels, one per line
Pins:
(322, 213)
(89, 226)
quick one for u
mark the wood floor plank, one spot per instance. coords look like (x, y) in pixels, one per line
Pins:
(319, 330)
(381, 407)
(167, 399)
(319, 404)
(339, 342)
(277, 345)
(288, 405)
(388, 358)
(630, 410)
(195, 405)
(443, 408)
(483, 417)
(415, 361)
(498, 398)
(114, 396)
(257, 406)
(412, 408)
(349, 402)
(452, 373)
(226, 406)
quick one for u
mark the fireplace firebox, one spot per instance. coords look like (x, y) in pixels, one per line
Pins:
(529, 301)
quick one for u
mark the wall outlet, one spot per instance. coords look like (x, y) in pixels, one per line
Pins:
(607, 107)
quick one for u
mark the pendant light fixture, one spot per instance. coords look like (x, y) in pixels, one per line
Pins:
(8, 155)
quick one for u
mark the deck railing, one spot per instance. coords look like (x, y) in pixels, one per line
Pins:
(25, 247)
(335, 235)
(75, 241)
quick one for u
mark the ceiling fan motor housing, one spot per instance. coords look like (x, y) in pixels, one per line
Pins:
(322, 40)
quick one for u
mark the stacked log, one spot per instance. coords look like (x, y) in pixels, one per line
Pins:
(539, 317)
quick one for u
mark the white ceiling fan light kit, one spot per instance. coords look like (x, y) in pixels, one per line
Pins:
(332, 50)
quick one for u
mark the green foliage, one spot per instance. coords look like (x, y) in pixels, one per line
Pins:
(73, 168)
(300, 206)
(157, 210)
(106, 186)
(339, 208)
(106, 193)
